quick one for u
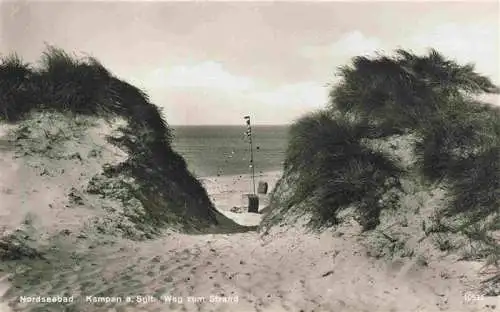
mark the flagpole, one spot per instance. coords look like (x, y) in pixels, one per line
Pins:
(251, 161)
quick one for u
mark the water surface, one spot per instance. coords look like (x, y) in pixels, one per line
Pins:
(224, 150)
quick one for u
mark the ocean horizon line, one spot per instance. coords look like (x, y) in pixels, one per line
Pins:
(229, 125)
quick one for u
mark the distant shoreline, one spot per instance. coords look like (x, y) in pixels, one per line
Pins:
(243, 175)
(235, 125)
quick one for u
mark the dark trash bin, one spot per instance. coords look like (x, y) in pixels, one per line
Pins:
(253, 203)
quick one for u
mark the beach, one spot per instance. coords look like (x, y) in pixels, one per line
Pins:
(133, 148)
(228, 193)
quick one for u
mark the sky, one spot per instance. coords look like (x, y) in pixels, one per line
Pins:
(215, 62)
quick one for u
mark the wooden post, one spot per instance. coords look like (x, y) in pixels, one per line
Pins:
(253, 199)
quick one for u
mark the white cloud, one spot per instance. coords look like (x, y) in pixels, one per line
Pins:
(209, 75)
(477, 43)
(308, 95)
(348, 45)
(355, 43)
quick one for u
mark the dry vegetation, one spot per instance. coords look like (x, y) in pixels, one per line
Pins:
(405, 149)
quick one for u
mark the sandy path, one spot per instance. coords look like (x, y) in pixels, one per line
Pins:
(286, 272)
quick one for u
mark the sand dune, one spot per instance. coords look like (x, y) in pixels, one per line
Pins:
(287, 269)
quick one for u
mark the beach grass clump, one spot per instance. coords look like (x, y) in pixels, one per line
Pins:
(63, 83)
(16, 96)
(337, 169)
(434, 98)
(455, 144)
(18, 246)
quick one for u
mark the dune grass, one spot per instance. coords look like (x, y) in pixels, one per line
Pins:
(337, 169)
(428, 97)
(82, 86)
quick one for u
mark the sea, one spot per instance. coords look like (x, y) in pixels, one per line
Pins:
(225, 150)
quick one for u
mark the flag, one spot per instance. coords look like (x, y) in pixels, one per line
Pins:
(248, 132)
